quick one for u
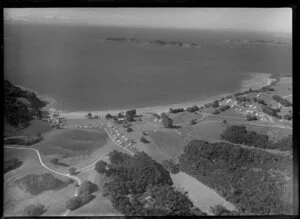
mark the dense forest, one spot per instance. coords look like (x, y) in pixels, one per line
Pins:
(256, 182)
(240, 135)
(140, 186)
(21, 106)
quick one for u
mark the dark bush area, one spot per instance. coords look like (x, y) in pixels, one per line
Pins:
(244, 177)
(242, 99)
(224, 108)
(34, 210)
(178, 110)
(282, 101)
(171, 166)
(215, 112)
(140, 186)
(144, 140)
(285, 144)
(11, 165)
(268, 110)
(83, 197)
(56, 162)
(251, 117)
(167, 121)
(130, 114)
(288, 117)
(73, 203)
(20, 113)
(129, 129)
(215, 104)
(87, 186)
(192, 109)
(36, 184)
(23, 140)
(239, 135)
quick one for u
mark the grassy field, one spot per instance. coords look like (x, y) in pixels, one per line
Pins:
(74, 147)
(168, 141)
(82, 122)
(201, 195)
(16, 199)
(182, 117)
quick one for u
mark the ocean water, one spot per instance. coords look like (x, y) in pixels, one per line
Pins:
(72, 64)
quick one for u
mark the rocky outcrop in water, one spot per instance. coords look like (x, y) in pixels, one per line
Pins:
(154, 42)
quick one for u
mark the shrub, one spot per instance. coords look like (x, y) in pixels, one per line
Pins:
(101, 167)
(224, 121)
(129, 129)
(144, 140)
(288, 117)
(216, 112)
(282, 101)
(219, 210)
(87, 186)
(192, 109)
(178, 110)
(86, 197)
(72, 171)
(261, 101)
(215, 104)
(167, 121)
(73, 203)
(251, 117)
(12, 164)
(224, 108)
(34, 210)
(269, 111)
(108, 116)
(193, 122)
(171, 166)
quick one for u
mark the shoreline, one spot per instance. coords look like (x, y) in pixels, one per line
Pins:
(254, 81)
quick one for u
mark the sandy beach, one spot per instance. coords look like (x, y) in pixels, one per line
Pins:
(254, 81)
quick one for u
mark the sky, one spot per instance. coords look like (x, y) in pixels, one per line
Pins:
(258, 19)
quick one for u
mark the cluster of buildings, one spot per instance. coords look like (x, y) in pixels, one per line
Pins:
(119, 137)
(55, 120)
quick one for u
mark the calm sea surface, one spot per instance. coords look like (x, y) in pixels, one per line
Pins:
(81, 72)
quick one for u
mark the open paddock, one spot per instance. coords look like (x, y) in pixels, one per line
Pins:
(168, 141)
(16, 199)
(182, 117)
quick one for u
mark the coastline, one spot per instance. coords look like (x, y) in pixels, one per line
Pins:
(254, 81)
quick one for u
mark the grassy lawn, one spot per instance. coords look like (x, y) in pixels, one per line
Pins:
(71, 146)
(16, 199)
(168, 141)
(201, 195)
(182, 117)
(80, 160)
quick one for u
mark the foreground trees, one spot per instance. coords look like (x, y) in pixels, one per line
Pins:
(167, 121)
(240, 135)
(83, 197)
(256, 182)
(34, 210)
(139, 186)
